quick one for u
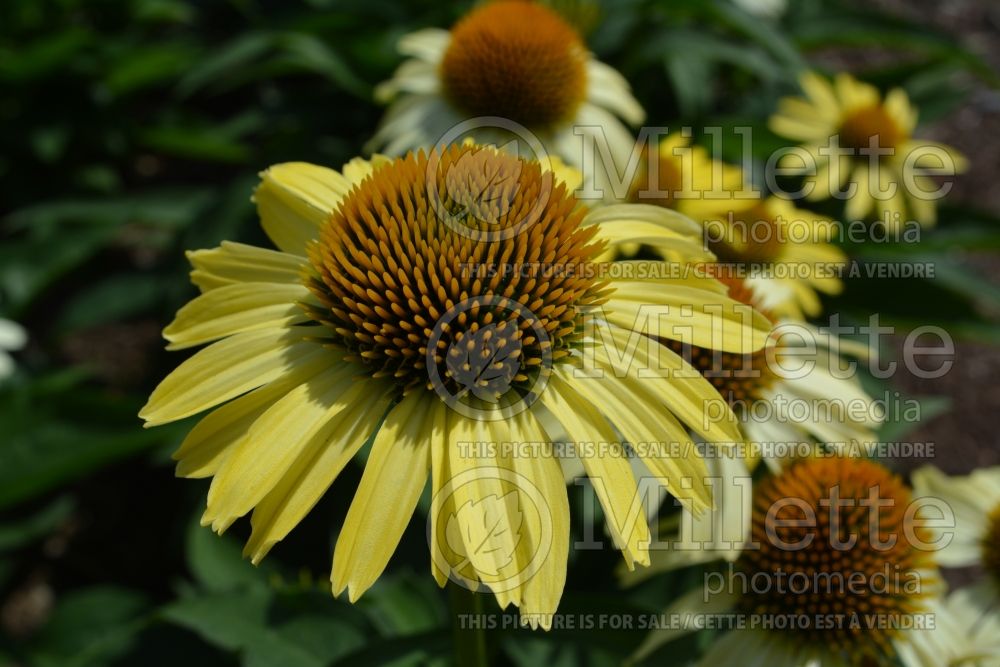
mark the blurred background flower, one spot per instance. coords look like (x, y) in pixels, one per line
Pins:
(12, 338)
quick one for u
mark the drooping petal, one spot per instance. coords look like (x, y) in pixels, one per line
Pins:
(694, 316)
(660, 374)
(659, 440)
(314, 471)
(609, 89)
(397, 465)
(607, 466)
(543, 587)
(301, 419)
(212, 438)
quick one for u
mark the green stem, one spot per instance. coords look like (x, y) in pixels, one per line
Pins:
(470, 639)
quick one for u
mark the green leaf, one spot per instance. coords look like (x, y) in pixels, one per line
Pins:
(29, 266)
(897, 426)
(217, 562)
(688, 73)
(54, 436)
(231, 621)
(44, 56)
(417, 650)
(226, 62)
(205, 144)
(146, 67)
(170, 208)
(760, 31)
(313, 54)
(266, 635)
(90, 627)
(405, 604)
(112, 300)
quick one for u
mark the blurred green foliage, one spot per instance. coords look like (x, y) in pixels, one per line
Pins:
(133, 130)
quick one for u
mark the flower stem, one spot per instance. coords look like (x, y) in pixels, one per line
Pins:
(469, 627)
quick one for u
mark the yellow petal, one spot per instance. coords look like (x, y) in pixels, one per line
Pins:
(485, 523)
(542, 588)
(295, 199)
(314, 471)
(240, 263)
(224, 370)
(359, 169)
(819, 91)
(208, 443)
(650, 428)
(397, 467)
(799, 130)
(628, 214)
(233, 309)
(691, 315)
(669, 379)
(664, 274)
(861, 202)
(441, 505)
(626, 233)
(608, 468)
(301, 418)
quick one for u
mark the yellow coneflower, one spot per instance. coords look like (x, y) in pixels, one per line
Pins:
(784, 252)
(433, 303)
(789, 402)
(818, 585)
(517, 61)
(839, 124)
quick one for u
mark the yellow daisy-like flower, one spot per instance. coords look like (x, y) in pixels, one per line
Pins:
(439, 304)
(518, 62)
(852, 135)
(785, 251)
(835, 572)
(789, 401)
(788, 393)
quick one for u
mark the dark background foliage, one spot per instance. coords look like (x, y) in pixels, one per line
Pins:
(134, 129)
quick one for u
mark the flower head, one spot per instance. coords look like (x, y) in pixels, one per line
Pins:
(798, 528)
(854, 136)
(518, 60)
(442, 305)
(784, 252)
(509, 71)
(835, 570)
